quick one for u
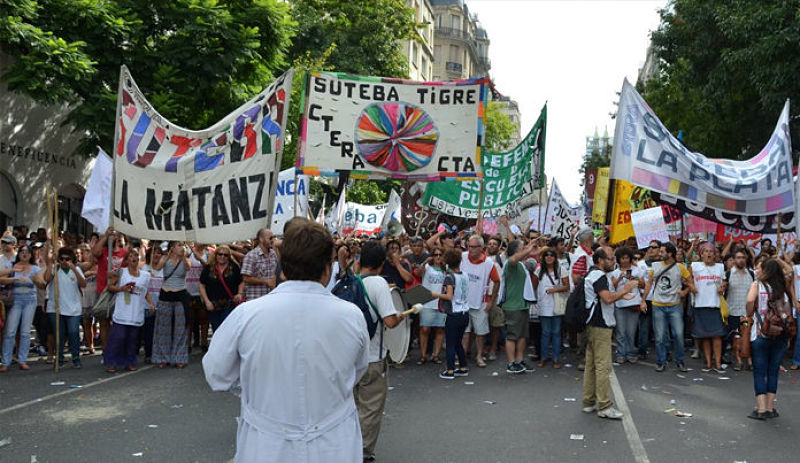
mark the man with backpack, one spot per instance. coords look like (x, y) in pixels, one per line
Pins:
(600, 322)
(740, 277)
(370, 393)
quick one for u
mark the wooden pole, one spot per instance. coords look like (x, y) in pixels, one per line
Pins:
(52, 210)
(539, 224)
(479, 223)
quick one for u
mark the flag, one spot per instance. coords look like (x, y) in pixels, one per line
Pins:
(97, 202)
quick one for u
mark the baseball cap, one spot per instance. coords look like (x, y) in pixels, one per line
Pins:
(9, 239)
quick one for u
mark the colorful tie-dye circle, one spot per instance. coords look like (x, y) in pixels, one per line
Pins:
(396, 136)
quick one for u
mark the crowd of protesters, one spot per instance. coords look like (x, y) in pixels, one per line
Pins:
(493, 295)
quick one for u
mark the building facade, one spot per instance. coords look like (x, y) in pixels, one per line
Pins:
(460, 46)
(37, 152)
(510, 108)
(420, 52)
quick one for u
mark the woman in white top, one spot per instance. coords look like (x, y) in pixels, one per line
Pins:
(153, 287)
(709, 284)
(550, 278)
(432, 274)
(767, 353)
(626, 310)
(130, 286)
(88, 265)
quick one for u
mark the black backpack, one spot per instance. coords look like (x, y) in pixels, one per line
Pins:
(575, 314)
(351, 289)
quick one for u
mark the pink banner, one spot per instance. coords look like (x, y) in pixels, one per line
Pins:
(696, 224)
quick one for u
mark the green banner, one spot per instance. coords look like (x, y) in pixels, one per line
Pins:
(507, 177)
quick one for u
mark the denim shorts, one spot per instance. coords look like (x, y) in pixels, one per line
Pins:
(431, 317)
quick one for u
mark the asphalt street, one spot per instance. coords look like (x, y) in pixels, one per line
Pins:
(171, 415)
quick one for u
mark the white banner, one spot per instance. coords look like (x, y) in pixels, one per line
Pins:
(97, 201)
(646, 154)
(392, 210)
(363, 219)
(648, 225)
(284, 199)
(208, 186)
(382, 127)
(560, 218)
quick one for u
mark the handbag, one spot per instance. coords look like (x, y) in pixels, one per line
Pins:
(744, 339)
(778, 322)
(103, 308)
(227, 290)
(723, 309)
(559, 298)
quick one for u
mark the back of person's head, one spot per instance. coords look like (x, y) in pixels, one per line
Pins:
(307, 251)
(513, 247)
(452, 258)
(373, 254)
(585, 236)
(772, 274)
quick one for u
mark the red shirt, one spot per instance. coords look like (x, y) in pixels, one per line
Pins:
(118, 261)
(581, 265)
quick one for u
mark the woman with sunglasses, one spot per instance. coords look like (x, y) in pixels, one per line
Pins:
(130, 287)
(548, 280)
(221, 286)
(23, 278)
(432, 274)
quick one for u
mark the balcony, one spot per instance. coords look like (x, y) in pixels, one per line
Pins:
(485, 62)
(459, 34)
(451, 66)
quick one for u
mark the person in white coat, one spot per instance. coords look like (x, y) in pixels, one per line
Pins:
(297, 353)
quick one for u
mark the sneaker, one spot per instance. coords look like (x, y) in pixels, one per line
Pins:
(370, 457)
(447, 375)
(719, 371)
(514, 369)
(611, 413)
(41, 351)
(77, 364)
(461, 372)
(525, 366)
(706, 369)
(591, 409)
(492, 357)
(682, 367)
(695, 354)
(660, 367)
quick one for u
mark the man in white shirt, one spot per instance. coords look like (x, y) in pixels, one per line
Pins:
(298, 353)
(370, 393)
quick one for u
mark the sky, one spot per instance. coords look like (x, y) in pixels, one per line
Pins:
(573, 55)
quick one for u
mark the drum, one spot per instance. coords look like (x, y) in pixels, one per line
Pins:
(397, 339)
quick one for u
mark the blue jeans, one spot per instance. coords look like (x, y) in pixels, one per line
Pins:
(551, 336)
(69, 328)
(796, 356)
(627, 321)
(454, 327)
(666, 319)
(767, 355)
(216, 317)
(18, 320)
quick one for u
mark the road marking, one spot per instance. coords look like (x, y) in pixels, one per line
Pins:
(635, 442)
(70, 391)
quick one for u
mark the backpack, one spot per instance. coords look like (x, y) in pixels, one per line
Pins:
(575, 317)
(778, 322)
(351, 289)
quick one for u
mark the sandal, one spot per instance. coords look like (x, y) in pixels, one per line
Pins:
(422, 361)
(162, 365)
(3, 369)
(437, 360)
(111, 370)
(49, 361)
(180, 366)
(130, 368)
(24, 366)
(480, 363)
(794, 367)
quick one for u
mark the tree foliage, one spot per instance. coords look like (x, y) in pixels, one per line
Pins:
(725, 70)
(499, 128)
(196, 60)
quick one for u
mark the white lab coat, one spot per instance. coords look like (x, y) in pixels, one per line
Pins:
(298, 352)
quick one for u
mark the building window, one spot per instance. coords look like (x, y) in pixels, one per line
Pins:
(455, 22)
(454, 53)
(424, 68)
(437, 53)
(415, 53)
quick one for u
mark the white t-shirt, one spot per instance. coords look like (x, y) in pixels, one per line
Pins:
(131, 312)
(634, 298)
(432, 280)
(546, 302)
(69, 294)
(645, 269)
(381, 297)
(707, 280)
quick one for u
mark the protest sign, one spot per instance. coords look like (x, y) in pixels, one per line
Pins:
(377, 127)
(284, 199)
(208, 186)
(725, 233)
(507, 177)
(649, 225)
(600, 208)
(589, 184)
(560, 217)
(621, 228)
(393, 210)
(363, 219)
(646, 154)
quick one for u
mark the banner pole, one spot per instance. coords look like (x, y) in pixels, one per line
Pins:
(778, 240)
(539, 224)
(52, 210)
(479, 223)
(294, 208)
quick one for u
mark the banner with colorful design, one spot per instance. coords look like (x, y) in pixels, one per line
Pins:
(507, 177)
(212, 185)
(646, 154)
(378, 127)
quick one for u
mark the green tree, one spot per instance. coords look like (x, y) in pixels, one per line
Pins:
(499, 129)
(196, 60)
(725, 69)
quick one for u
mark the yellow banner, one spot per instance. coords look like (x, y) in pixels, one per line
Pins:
(621, 226)
(601, 196)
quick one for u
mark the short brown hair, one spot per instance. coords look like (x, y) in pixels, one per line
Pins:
(453, 258)
(307, 250)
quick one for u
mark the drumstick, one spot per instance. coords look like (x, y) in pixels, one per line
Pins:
(416, 308)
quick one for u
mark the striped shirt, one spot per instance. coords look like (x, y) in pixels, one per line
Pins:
(257, 265)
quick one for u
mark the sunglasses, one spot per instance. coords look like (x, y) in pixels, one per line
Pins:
(223, 255)
(654, 248)
(65, 258)
(438, 254)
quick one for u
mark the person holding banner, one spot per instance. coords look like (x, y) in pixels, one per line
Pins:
(709, 283)
(170, 336)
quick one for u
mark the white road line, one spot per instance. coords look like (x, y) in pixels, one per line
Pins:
(635, 442)
(70, 391)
